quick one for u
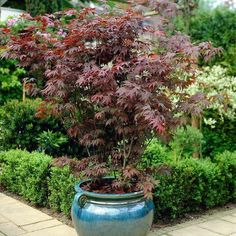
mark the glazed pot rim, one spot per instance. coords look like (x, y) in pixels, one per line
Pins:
(110, 196)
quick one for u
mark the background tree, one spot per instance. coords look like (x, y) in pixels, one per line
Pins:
(187, 7)
(203, 27)
(38, 7)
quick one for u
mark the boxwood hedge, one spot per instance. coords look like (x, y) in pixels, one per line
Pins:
(191, 184)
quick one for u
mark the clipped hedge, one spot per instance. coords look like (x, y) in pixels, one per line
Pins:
(61, 185)
(227, 164)
(26, 174)
(191, 184)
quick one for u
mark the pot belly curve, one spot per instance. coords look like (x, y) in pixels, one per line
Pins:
(100, 219)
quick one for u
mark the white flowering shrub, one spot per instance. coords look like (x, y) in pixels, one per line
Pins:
(220, 90)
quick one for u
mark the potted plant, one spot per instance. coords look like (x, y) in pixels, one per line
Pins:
(113, 85)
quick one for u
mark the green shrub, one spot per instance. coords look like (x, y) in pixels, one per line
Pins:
(202, 28)
(10, 81)
(26, 174)
(39, 7)
(190, 185)
(219, 121)
(194, 184)
(227, 164)
(154, 154)
(186, 140)
(15, 4)
(49, 142)
(61, 189)
(219, 137)
(20, 128)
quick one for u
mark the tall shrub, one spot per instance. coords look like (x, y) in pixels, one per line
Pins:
(220, 136)
(40, 7)
(218, 121)
(203, 25)
(10, 75)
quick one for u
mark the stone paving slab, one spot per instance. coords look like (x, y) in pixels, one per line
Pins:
(219, 226)
(17, 218)
(192, 231)
(10, 229)
(229, 218)
(22, 214)
(3, 219)
(62, 230)
(41, 225)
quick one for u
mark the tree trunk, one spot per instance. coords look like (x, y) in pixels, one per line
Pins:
(195, 123)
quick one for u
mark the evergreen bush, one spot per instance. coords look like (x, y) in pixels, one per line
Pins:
(26, 174)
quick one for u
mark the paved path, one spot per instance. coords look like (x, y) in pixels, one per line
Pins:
(17, 218)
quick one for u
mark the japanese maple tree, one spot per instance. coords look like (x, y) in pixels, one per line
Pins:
(112, 80)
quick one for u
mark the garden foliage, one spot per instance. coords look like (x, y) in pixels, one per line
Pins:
(106, 82)
(50, 142)
(185, 186)
(105, 79)
(10, 81)
(61, 189)
(21, 128)
(155, 154)
(26, 174)
(218, 120)
(40, 7)
(220, 137)
(203, 28)
(185, 140)
(193, 185)
(227, 163)
(220, 90)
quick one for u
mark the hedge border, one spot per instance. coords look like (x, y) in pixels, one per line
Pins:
(192, 184)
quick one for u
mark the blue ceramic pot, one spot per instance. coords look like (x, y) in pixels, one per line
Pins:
(96, 214)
